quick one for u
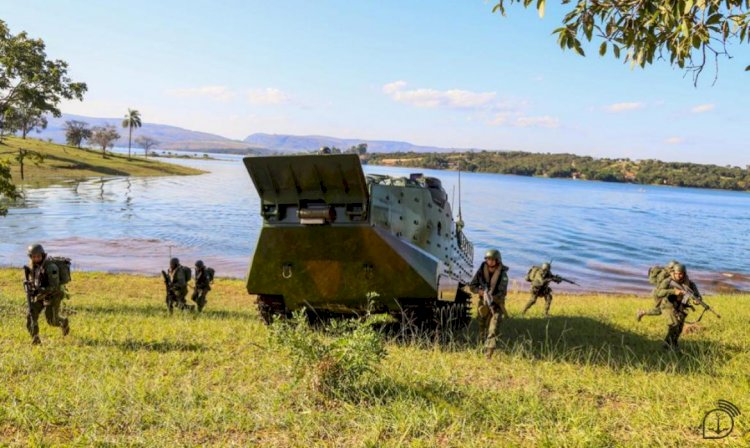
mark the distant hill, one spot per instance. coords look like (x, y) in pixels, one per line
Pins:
(300, 143)
(170, 137)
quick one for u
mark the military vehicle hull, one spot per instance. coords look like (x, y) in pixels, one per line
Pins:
(335, 242)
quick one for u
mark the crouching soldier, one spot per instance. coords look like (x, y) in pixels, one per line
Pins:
(491, 282)
(203, 278)
(44, 291)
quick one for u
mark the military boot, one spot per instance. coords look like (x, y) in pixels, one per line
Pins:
(36, 340)
(639, 315)
(65, 327)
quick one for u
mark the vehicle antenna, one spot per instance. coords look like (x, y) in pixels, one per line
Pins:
(460, 222)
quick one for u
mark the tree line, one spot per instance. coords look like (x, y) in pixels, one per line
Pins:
(652, 172)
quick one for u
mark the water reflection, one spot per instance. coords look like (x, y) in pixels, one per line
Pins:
(603, 235)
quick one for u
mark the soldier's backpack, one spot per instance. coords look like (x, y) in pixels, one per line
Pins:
(63, 268)
(210, 274)
(532, 271)
(188, 273)
(656, 274)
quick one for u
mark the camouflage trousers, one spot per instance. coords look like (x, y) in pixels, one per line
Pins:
(180, 300)
(51, 306)
(199, 297)
(656, 310)
(490, 318)
(676, 323)
(535, 294)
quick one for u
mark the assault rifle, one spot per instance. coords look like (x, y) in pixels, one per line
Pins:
(171, 297)
(558, 279)
(28, 286)
(688, 295)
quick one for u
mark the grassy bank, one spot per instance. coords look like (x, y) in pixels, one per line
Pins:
(589, 376)
(69, 162)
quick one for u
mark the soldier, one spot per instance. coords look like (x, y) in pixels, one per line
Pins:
(540, 278)
(178, 282)
(203, 279)
(656, 276)
(45, 293)
(671, 292)
(492, 279)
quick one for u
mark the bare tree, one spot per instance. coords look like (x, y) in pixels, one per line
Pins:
(104, 136)
(146, 143)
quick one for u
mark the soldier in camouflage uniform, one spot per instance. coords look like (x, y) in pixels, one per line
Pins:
(202, 285)
(47, 293)
(179, 283)
(492, 277)
(671, 301)
(659, 277)
(540, 279)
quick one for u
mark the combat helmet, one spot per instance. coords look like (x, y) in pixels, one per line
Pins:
(679, 267)
(35, 249)
(546, 266)
(672, 264)
(492, 253)
(174, 262)
(199, 264)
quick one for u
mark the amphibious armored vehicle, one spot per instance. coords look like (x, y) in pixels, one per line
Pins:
(338, 242)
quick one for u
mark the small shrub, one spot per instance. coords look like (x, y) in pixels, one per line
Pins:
(336, 359)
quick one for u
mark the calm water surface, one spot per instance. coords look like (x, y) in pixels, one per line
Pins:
(602, 235)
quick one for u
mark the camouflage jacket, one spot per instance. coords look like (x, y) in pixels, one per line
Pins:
(666, 291)
(177, 278)
(45, 278)
(483, 277)
(201, 279)
(541, 280)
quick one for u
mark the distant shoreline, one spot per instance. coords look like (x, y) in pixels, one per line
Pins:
(573, 167)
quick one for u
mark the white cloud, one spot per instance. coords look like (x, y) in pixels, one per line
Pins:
(431, 98)
(702, 108)
(674, 140)
(218, 93)
(268, 96)
(623, 107)
(544, 121)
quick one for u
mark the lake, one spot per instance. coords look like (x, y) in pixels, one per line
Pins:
(603, 235)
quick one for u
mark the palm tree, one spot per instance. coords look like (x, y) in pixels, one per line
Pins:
(132, 120)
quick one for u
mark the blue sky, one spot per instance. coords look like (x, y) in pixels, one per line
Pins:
(441, 73)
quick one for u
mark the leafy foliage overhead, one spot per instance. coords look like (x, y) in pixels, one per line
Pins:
(689, 33)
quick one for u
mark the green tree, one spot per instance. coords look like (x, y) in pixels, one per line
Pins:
(104, 137)
(132, 120)
(28, 78)
(8, 191)
(76, 132)
(26, 119)
(146, 143)
(688, 33)
(23, 154)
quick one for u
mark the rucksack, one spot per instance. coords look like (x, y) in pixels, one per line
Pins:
(656, 274)
(210, 274)
(63, 268)
(188, 273)
(532, 272)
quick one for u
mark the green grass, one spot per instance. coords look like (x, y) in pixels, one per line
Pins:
(129, 374)
(68, 162)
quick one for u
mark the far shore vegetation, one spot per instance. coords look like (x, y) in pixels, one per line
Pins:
(571, 166)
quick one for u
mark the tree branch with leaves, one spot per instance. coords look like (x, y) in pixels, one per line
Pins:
(687, 33)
